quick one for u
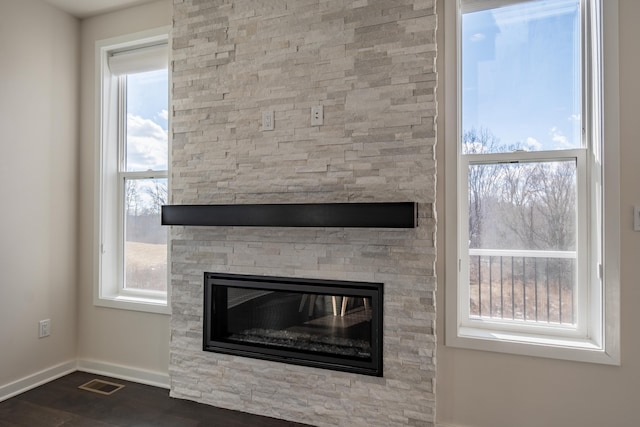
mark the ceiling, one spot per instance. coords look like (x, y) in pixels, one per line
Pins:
(86, 8)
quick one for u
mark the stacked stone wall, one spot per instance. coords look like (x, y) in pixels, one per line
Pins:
(371, 65)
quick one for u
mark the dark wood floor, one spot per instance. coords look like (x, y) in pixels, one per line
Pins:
(61, 403)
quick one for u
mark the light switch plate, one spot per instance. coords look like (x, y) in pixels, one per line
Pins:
(636, 218)
(267, 120)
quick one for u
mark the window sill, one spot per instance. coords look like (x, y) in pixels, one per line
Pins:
(135, 303)
(577, 350)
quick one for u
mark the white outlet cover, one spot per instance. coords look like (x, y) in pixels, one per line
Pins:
(317, 115)
(44, 328)
(636, 218)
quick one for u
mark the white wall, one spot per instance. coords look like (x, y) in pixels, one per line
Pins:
(111, 337)
(38, 186)
(483, 389)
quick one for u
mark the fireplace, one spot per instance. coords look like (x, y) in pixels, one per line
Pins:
(322, 323)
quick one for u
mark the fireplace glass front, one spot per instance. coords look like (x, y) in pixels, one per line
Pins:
(322, 323)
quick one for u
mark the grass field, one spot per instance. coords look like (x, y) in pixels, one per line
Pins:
(146, 266)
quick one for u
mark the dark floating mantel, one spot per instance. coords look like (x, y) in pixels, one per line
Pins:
(361, 215)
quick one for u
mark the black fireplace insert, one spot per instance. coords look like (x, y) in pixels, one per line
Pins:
(327, 324)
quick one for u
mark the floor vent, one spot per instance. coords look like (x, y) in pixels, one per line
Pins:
(102, 387)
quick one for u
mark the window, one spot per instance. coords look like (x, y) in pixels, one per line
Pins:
(133, 94)
(532, 265)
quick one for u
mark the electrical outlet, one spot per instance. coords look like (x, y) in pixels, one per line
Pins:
(44, 328)
(267, 120)
(317, 115)
(636, 218)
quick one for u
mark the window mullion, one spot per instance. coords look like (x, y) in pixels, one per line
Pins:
(523, 156)
(464, 310)
(122, 123)
(469, 6)
(151, 174)
(584, 241)
(122, 167)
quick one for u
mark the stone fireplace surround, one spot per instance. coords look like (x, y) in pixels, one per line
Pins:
(370, 63)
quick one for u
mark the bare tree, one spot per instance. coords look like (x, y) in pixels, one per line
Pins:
(519, 193)
(520, 205)
(132, 198)
(557, 206)
(158, 194)
(482, 183)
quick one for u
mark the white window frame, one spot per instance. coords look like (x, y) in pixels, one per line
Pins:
(109, 289)
(597, 338)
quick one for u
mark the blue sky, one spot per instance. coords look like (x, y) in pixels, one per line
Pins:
(147, 121)
(519, 74)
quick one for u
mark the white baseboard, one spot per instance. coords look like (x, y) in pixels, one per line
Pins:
(128, 373)
(157, 379)
(17, 387)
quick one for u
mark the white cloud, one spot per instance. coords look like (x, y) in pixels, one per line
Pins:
(164, 114)
(560, 140)
(146, 144)
(574, 118)
(532, 144)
